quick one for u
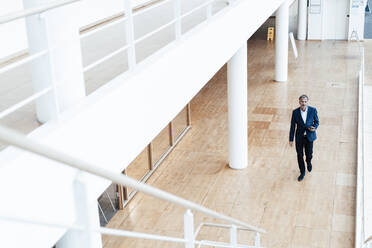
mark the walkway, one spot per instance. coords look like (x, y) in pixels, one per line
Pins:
(319, 212)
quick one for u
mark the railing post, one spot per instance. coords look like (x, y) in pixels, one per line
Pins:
(257, 241)
(209, 10)
(233, 236)
(129, 29)
(86, 212)
(188, 228)
(281, 42)
(177, 17)
(56, 30)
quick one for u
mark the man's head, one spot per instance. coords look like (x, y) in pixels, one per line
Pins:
(302, 100)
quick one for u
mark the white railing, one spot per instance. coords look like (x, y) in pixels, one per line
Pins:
(34, 11)
(13, 138)
(233, 234)
(129, 28)
(130, 46)
(44, 53)
(361, 241)
(33, 97)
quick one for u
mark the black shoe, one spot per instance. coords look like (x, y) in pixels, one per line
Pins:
(301, 177)
(309, 167)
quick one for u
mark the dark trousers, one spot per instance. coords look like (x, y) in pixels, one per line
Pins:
(301, 144)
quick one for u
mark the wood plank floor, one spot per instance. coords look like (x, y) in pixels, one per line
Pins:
(318, 212)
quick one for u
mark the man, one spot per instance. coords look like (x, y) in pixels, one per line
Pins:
(305, 118)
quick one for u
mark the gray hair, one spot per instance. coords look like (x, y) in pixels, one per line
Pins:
(303, 96)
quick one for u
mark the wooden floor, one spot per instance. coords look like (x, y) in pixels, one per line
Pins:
(319, 211)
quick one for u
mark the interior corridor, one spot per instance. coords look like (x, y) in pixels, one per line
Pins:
(319, 211)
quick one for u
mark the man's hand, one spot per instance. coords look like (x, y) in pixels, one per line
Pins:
(312, 129)
(290, 143)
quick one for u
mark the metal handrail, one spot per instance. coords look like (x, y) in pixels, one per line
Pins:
(217, 225)
(221, 244)
(152, 6)
(102, 230)
(360, 214)
(19, 105)
(23, 61)
(123, 18)
(97, 29)
(197, 8)
(100, 61)
(36, 10)
(14, 138)
(155, 31)
(118, 232)
(231, 227)
(55, 4)
(145, 36)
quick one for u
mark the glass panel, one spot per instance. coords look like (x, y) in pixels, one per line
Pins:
(139, 167)
(179, 123)
(160, 144)
(109, 203)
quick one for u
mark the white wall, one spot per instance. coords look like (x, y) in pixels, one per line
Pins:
(332, 21)
(357, 14)
(140, 105)
(13, 35)
(335, 20)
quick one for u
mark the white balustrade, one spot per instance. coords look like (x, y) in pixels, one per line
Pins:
(86, 227)
(49, 95)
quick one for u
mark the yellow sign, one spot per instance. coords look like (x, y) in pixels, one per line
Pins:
(270, 33)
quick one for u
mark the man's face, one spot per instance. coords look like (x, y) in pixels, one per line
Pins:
(303, 103)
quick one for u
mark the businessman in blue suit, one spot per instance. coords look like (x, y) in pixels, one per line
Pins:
(305, 121)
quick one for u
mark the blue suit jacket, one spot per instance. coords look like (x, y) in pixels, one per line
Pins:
(311, 120)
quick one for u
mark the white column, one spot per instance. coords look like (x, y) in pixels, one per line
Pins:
(281, 42)
(188, 229)
(129, 29)
(237, 76)
(302, 19)
(58, 31)
(86, 212)
(233, 236)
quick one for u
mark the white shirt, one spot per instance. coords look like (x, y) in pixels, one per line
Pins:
(304, 116)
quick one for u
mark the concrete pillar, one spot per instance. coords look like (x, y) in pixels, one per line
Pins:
(302, 20)
(58, 31)
(281, 43)
(86, 212)
(237, 76)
